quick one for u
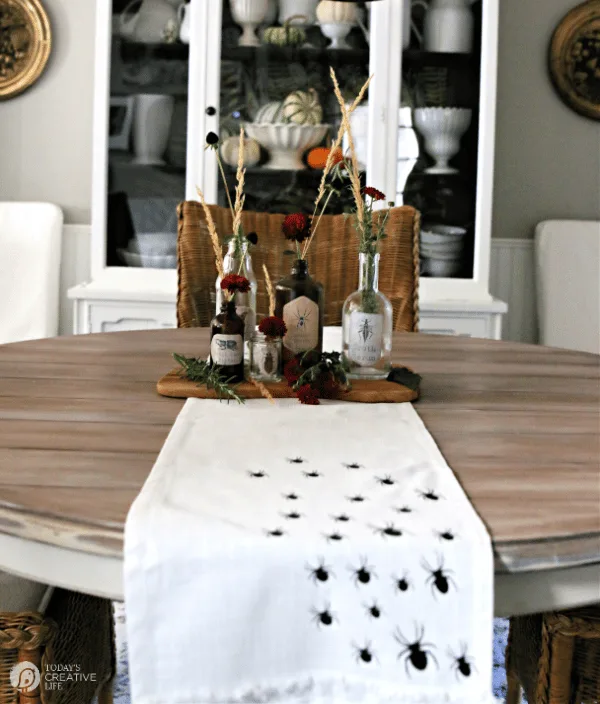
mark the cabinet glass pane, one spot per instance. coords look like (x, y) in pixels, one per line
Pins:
(147, 133)
(439, 132)
(275, 81)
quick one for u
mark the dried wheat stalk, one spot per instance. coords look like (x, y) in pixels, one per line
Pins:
(239, 189)
(264, 392)
(213, 233)
(270, 291)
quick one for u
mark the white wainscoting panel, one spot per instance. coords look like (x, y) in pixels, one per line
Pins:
(511, 280)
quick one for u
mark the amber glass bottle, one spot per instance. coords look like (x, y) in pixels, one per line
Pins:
(227, 342)
(299, 301)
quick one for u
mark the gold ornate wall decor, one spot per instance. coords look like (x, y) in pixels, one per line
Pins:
(25, 43)
(575, 59)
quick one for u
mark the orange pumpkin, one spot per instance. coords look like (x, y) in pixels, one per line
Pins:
(317, 157)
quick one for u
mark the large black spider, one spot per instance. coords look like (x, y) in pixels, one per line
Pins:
(439, 578)
(386, 481)
(390, 530)
(321, 572)
(403, 583)
(323, 617)
(296, 460)
(462, 663)
(418, 652)
(364, 654)
(363, 573)
(430, 495)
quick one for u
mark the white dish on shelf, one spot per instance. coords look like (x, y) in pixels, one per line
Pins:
(286, 143)
(442, 234)
(154, 243)
(445, 248)
(337, 33)
(147, 261)
(442, 267)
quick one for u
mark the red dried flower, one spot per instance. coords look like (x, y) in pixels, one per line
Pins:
(296, 227)
(307, 395)
(328, 386)
(272, 327)
(373, 193)
(292, 371)
(234, 283)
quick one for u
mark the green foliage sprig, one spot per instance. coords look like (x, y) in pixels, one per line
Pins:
(323, 366)
(201, 372)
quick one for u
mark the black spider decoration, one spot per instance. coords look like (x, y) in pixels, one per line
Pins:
(373, 610)
(323, 617)
(313, 475)
(364, 654)
(462, 663)
(403, 509)
(353, 465)
(277, 533)
(292, 515)
(386, 481)
(258, 475)
(342, 518)
(402, 584)
(320, 573)
(292, 497)
(356, 499)
(430, 495)
(334, 537)
(439, 578)
(446, 535)
(363, 573)
(296, 460)
(418, 652)
(390, 530)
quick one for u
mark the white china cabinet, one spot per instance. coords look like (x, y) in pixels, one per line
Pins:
(168, 75)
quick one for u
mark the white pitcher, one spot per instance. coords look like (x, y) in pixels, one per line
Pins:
(449, 26)
(183, 13)
(150, 22)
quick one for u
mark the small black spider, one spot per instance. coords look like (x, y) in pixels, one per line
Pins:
(320, 573)
(277, 533)
(353, 465)
(418, 652)
(389, 531)
(323, 617)
(386, 481)
(439, 578)
(258, 475)
(363, 573)
(292, 497)
(446, 535)
(334, 536)
(292, 515)
(357, 498)
(373, 610)
(363, 654)
(342, 518)
(430, 495)
(296, 460)
(314, 474)
(403, 509)
(402, 583)
(462, 663)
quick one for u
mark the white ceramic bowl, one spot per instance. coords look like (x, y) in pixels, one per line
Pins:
(286, 143)
(442, 267)
(442, 129)
(148, 261)
(154, 243)
(448, 249)
(442, 234)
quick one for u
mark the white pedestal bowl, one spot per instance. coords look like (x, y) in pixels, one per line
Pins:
(286, 143)
(442, 129)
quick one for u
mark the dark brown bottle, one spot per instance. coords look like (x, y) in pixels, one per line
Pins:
(299, 301)
(227, 342)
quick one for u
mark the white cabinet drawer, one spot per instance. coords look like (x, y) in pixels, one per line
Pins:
(461, 326)
(118, 317)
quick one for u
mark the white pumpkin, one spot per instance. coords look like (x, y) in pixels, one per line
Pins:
(230, 150)
(329, 11)
(303, 108)
(270, 113)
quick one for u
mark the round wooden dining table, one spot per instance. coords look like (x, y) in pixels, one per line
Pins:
(81, 425)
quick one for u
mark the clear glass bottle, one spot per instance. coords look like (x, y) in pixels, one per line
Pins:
(227, 342)
(367, 325)
(265, 357)
(239, 261)
(299, 303)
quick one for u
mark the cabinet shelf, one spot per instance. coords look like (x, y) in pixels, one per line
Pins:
(417, 58)
(267, 52)
(131, 50)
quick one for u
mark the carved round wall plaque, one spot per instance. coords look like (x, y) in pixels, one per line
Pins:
(25, 43)
(575, 59)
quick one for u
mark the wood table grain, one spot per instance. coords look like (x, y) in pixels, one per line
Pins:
(81, 425)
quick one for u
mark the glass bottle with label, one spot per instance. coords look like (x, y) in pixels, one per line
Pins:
(227, 342)
(238, 261)
(299, 302)
(367, 325)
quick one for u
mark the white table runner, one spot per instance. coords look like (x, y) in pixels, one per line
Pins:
(317, 555)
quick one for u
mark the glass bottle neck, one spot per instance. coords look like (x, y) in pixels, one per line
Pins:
(368, 273)
(228, 308)
(300, 269)
(237, 258)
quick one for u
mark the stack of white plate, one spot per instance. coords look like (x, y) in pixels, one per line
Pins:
(442, 249)
(151, 250)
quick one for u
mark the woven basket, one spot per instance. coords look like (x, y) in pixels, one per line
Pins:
(555, 658)
(332, 258)
(76, 630)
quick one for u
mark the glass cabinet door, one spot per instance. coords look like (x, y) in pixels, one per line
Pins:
(274, 60)
(147, 140)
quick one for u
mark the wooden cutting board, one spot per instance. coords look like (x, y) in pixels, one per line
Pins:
(363, 391)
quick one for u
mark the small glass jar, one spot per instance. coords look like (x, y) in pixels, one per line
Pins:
(265, 357)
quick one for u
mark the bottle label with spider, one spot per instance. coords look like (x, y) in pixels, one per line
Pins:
(365, 338)
(227, 350)
(301, 317)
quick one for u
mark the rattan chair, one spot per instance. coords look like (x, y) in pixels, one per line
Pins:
(555, 657)
(333, 260)
(75, 630)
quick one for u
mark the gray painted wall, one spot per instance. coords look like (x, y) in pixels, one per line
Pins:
(547, 157)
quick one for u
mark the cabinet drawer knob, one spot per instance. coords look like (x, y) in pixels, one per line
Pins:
(211, 111)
